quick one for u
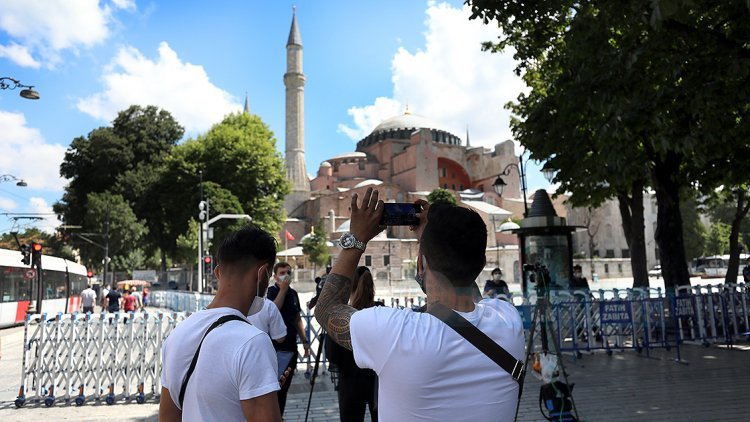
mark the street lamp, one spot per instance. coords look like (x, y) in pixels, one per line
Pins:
(499, 184)
(12, 178)
(548, 172)
(27, 92)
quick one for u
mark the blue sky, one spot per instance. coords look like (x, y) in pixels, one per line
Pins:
(364, 62)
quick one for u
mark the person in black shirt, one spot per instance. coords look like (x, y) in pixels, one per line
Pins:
(578, 282)
(113, 300)
(746, 272)
(287, 300)
(358, 388)
(496, 286)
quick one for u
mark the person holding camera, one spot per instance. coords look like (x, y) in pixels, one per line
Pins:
(216, 365)
(449, 379)
(287, 300)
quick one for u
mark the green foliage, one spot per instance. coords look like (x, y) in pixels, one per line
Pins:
(717, 241)
(132, 260)
(187, 245)
(441, 195)
(109, 213)
(315, 246)
(639, 93)
(53, 245)
(693, 229)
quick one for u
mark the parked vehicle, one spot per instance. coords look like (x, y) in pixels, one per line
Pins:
(655, 271)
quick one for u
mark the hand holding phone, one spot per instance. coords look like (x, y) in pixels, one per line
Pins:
(400, 214)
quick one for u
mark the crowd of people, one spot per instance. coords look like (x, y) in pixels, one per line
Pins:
(116, 299)
(236, 359)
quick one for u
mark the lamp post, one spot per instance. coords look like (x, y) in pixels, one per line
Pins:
(499, 184)
(11, 178)
(27, 92)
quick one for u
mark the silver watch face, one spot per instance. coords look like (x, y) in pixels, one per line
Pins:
(347, 241)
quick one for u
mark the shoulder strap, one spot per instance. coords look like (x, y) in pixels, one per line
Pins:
(219, 322)
(479, 339)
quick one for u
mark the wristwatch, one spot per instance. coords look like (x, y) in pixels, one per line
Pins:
(348, 241)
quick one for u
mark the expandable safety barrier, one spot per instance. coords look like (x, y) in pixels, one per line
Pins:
(93, 356)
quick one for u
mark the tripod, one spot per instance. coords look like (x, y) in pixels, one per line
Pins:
(321, 340)
(542, 316)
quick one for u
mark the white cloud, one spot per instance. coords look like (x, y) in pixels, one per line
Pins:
(183, 89)
(49, 222)
(43, 28)
(26, 155)
(451, 81)
(7, 204)
(19, 54)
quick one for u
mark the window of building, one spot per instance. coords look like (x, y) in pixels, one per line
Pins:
(619, 268)
(386, 260)
(626, 253)
(445, 186)
(453, 187)
(361, 165)
(461, 187)
(610, 253)
(368, 260)
(606, 268)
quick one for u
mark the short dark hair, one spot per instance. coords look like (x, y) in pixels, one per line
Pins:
(454, 241)
(577, 267)
(246, 247)
(280, 264)
(497, 270)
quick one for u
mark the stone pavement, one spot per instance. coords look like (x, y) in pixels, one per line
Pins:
(712, 385)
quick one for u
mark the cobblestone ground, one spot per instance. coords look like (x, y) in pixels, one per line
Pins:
(711, 384)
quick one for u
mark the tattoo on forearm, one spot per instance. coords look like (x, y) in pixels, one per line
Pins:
(332, 310)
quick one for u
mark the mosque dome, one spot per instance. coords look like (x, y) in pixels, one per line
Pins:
(402, 126)
(325, 164)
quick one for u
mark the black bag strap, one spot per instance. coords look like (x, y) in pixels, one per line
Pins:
(479, 339)
(219, 322)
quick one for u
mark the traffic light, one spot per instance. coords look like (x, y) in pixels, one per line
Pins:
(26, 254)
(89, 274)
(36, 255)
(203, 210)
(207, 265)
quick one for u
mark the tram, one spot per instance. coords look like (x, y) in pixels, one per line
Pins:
(63, 281)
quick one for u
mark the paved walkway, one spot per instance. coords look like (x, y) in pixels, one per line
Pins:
(713, 384)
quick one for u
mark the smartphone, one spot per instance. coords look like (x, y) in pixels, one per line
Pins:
(284, 360)
(400, 214)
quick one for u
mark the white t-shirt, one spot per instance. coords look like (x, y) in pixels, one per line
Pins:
(236, 362)
(428, 372)
(88, 297)
(269, 320)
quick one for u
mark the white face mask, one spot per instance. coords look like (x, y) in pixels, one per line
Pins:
(258, 300)
(283, 277)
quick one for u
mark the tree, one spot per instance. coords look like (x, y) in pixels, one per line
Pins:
(110, 214)
(315, 246)
(717, 241)
(52, 244)
(693, 229)
(441, 195)
(731, 206)
(124, 159)
(641, 93)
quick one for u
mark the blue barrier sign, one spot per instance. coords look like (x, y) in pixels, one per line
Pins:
(616, 312)
(683, 307)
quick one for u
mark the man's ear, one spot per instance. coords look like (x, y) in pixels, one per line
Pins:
(217, 272)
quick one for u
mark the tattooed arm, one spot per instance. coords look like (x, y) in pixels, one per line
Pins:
(332, 310)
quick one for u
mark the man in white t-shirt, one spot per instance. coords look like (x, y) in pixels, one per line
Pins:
(235, 377)
(269, 321)
(88, 299)
(426, 370)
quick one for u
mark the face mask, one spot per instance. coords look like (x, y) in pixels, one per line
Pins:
(419, 277)
(283, 277)
(258, 300)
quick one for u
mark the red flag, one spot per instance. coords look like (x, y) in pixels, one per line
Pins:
(289, 235)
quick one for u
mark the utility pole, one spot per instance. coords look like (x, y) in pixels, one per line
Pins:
(106, 248)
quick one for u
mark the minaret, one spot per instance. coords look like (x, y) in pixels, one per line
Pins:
(247, 104)
(294, 81)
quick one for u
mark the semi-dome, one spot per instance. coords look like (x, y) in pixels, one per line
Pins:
(402, 126)
(368, 182)
(325, 164)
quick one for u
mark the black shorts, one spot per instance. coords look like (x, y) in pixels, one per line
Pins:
(87, 309)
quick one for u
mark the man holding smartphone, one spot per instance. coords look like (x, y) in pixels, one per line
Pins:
(448, 374)
(287, 300)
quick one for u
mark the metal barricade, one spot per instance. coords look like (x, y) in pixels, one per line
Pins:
(93, 356)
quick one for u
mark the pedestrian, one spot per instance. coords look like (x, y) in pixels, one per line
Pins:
(358, 388)
(234, 370)
(88, 299)
(319, 283)
(269, 321)
(578, 282)
(105, 292)
(496, 286)
(427, 371)
(746, 272)
(128, 301)
(287, 300)
(145, 296)
(113, 300)
(138, 299)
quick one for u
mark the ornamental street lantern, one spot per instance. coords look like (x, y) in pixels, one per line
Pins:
(545, 242)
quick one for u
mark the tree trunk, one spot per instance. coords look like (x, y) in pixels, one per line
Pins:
(669, 221)
(631, 211)
(733, 267)
(163, 257)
